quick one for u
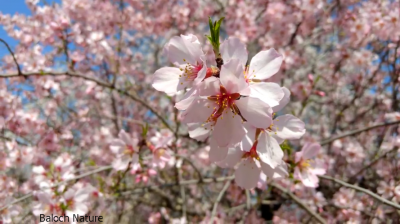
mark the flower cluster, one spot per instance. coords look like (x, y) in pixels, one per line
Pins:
(233, 106)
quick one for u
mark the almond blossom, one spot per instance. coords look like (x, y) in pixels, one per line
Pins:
(75, 200)
(186, 54)
(9, 213)
(228, 97)
(307, 166)
(262, 66)
(125, 149)
(70, 82)
(250, 166)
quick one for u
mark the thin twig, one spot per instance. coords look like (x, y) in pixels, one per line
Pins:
(299, 202)
(100, 83)
(214, 211)
(13, 56)
(351, 133)
(372, 163)
(363, 190)
(248, 207)
(197, 170)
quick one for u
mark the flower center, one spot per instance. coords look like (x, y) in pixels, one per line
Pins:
(190, 71)
(223, 101)
(248, 75)
(211, 71)
(252, 153)
(129, 150)
(304, 164)
(160, 152)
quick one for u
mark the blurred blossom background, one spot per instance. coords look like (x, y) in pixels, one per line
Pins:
(76, 94)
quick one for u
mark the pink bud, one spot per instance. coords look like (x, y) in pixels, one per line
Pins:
(320, 93)
(310, 78)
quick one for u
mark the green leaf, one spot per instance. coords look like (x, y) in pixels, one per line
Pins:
(91, 162)
(214, 33)
(63, 207)
(217, 29)
(145, 130)
(317, 79)
(51, 168)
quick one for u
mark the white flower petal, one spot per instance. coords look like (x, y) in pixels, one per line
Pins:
(181, 51)
(269, 92)
(279, 172)
(192, 38)
(228, 130)
(121, 163)
(289, 127)
(125, 137)
(217, 153)
(167, 80)
(209, 87)
(247, 174)
(232, 77)
(202, 73)
(199, 111)
(233, 48)
(265, 64)
(187, 99)
(255, 111)
(284, 101)
(249, 138)
(310, 150)
(269, 150)
(233, 157)
(81, 195)
(199, 132)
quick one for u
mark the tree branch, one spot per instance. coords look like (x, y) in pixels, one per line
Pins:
(100, 83)
(13, 56)
(221, 194)
(363, 190)
(355, 132)
(299, 202)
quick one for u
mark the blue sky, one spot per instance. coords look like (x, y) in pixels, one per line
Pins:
(12, 7)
